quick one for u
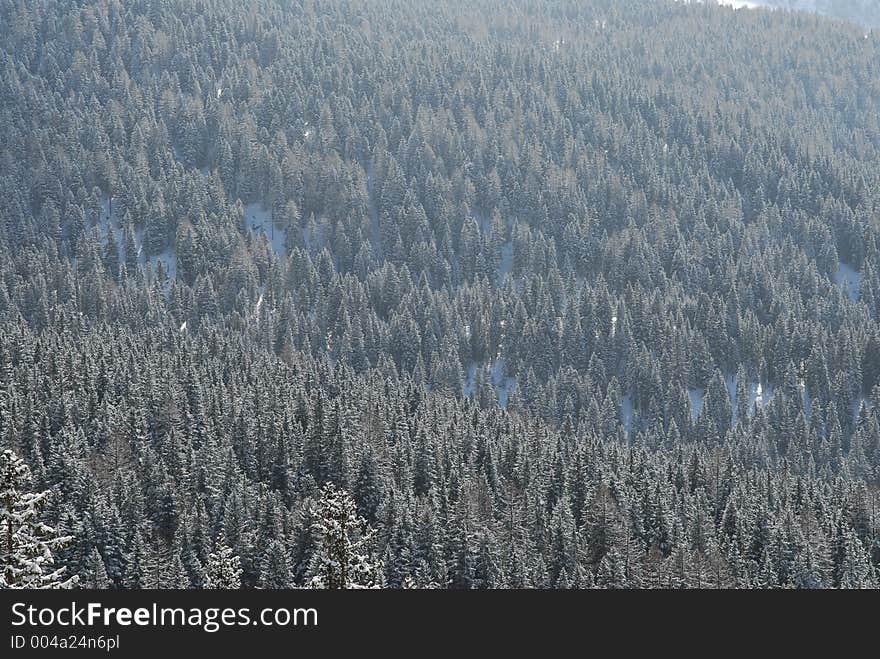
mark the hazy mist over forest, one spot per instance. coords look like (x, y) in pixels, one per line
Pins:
(865, 12)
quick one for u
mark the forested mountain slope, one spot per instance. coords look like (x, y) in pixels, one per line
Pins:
(565, 293)
(866, 12)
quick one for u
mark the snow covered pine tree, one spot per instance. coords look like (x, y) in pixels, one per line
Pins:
(342, 558)
(26, 547)
(223, 571)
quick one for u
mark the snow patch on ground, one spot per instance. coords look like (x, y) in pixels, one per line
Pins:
(375, 229)
(312, 239)
(168, 259)
(805, 398)
(482, 222)
(503, 385)
(730, 381)
(626, 414)
(760, 393)
(849, 279)
(506, 265)
(759, 396)
(259, 220)
(696, 397)
(469, 380)
(857, 405)
(109, 225)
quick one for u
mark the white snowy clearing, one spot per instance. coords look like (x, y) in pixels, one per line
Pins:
(849, 279)
(506, 264)
(258, 219)
(759, 394)
(696, 399)
(504, 386)
(168, 259)
(626, 414)
(494, 372)
(108, 224)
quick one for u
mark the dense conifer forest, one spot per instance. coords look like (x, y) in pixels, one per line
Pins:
(465, 294)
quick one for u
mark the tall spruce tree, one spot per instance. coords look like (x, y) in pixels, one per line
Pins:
(27, 545)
